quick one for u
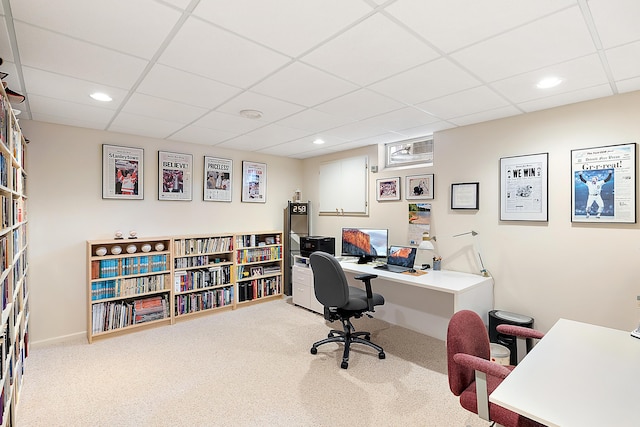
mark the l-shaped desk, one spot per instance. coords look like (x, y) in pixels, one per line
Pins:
(425, 302)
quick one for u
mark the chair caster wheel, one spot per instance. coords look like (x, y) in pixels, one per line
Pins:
(344, 365)
(381, 355)
(314, 350)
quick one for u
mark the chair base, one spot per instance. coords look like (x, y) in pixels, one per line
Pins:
(348, 336)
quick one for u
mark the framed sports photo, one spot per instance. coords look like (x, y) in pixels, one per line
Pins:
(218, 175)
(122, 172)
(419, 187)
(254, 182)
(174, 176)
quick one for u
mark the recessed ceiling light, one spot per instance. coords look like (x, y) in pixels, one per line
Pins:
(549, 82)
(99, 96)
(251, 114)
(318, 141)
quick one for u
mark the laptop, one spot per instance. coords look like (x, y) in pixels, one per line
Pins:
(400, 259)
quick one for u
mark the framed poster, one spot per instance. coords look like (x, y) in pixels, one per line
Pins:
(174, 176)
(254, 182)
(122, 172)
(524, 188)
(388, 189)
(465, 195)
(604, 184)
(419, 187)
(218, 174)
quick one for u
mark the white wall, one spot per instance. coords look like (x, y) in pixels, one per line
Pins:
(586, 272)
(65, 209)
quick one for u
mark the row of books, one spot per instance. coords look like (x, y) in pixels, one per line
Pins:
(198, 261)
(127, 287)
(107, 316)
(202, 245)
(199, 279)
(259, 254)
(4, 170)
(5, 205)
(104, 268)
(259, 288)
(205, 300)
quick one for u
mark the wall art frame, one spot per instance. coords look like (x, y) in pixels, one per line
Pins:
(419, 187)
(175, 172)
(254, 182)
(524, 188)
(218, 179)
(122, 172)
(388, 189)
(465, 195)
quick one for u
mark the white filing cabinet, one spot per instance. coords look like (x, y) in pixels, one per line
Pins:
(302, 284)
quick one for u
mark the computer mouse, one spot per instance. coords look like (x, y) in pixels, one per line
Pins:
(412, 271)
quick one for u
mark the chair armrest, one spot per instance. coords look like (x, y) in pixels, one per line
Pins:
(482, 365)
(519, 331)
(366, 278)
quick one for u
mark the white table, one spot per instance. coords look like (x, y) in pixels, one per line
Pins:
(578, 375)
(425, 303)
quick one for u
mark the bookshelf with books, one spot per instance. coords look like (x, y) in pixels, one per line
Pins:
(203, 267)
(259, 266)
(129, 285)
(14, 290)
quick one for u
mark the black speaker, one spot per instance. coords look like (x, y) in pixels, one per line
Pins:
(499, 317)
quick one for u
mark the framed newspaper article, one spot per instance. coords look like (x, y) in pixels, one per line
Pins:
(604, 184)
(524, 188)
(122, 176)
(174, 176)
(218, 174)
(254, 182)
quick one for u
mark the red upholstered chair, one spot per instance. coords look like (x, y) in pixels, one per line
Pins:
(472, 376)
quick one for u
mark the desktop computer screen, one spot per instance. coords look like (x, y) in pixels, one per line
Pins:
(365, 243)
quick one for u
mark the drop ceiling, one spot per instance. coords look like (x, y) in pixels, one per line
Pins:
(350, 72)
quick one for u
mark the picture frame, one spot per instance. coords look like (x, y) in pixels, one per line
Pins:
(524, 188)
(218, 179)
(419, 187)
(388, 189)
(603, 186)
(254, 182)
(122, 172)
(465, 195)
(175, 171)
(256, 271)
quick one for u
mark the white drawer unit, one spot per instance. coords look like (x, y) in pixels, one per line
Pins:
(302, 284)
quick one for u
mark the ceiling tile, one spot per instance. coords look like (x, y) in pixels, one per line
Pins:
(428, 81)
(304, 85)
(149, 106)
(180, 86)
(201, 135)
(577, 74)
(264, 137)
(360, 105)
(463, 103)
(273, 109)
(69, 113)
(314, 120)
(485, 116)
(523, 49)
(114, 24)
(401, 119)
(144, 126)
(288, 26)
(232, 123)
(372, 50)
(224, 57)
(628, 85)
(616, 25)
(5, 46)
(43, 50)
(453, 24)
(567, 98)
(355, 131)
(625, 61)
(425, 130)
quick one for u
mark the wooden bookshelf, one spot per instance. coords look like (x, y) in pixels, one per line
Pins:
(203, 274)
(129, 285)
(14, 290)
(259, 266)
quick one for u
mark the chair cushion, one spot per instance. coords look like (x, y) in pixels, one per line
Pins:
(358, 300)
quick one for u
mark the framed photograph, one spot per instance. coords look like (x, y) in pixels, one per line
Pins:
(388, 189)
(174, 176)
(524, 188)
(122, 172)
(465, 195)
(256, 271)
(604, 184)
(218, 175)
(254, 182)
(419, 187)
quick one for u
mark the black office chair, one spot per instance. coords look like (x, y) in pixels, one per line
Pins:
(342, 302)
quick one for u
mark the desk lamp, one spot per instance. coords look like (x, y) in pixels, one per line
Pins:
(473, 233)
(426, 244)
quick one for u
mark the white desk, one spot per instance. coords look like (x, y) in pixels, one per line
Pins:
(425, 303)
(578, 375)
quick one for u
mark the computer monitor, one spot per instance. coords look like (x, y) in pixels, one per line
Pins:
(365, 243)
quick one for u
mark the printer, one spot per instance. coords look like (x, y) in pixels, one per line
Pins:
(309, 244)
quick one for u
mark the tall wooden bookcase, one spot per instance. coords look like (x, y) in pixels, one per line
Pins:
(14, 291)
(137, 283)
